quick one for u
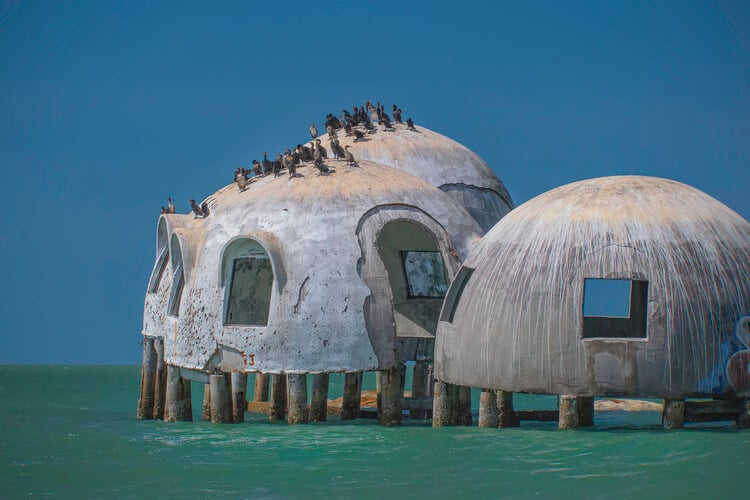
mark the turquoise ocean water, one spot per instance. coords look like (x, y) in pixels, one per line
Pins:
(71, 432)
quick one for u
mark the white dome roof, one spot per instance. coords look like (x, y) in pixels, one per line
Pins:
(518, 322)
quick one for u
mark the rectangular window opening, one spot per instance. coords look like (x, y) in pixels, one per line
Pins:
(425, 274)
(615, 308)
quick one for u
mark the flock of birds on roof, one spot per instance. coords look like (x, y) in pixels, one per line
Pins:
(356, 124)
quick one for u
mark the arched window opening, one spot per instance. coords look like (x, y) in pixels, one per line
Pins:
(250, 273)
(417, 276)
(178, 279)
(161, 261)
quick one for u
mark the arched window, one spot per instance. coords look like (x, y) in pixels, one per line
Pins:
(162, 252)
(178, 278)
(247, 275)
(417, 276)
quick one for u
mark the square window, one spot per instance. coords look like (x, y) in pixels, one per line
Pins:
(615, 308)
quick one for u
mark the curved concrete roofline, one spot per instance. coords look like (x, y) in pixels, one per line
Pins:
(270, 245)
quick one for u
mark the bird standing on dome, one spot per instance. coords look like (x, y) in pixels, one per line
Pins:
(410, 124)
(169, 209)
(321, 149)
(196, 209)
(204, 209)
(240, 178)
(313, 131)
(267, 167)
(396, 114)
(349, 156)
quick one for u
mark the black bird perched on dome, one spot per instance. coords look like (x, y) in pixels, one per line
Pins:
(204, 209)
(349, 156)
(313, 131)
(169, 209)
(410, 124)
(396, 114)
(196, 209)
(320, 148)
(267, 166)
(353, 132)
(241, 179)
(385, 122)
(257, 168)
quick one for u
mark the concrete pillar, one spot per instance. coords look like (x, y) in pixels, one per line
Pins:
(743, 419)
(430, 379)
(442, 404)
(419, 385)
(319, 401)
(148, 378)
(206, 413)
(585, 411)
(506, 416)
(378, 390)
(568, 418)
(296, 390)
(262, 384)
(278, 398)
(178, 407)
(673, 414)
(160, 379)
(239, 400)
(462, 408)
(352, 396)
(221, 398)
(488, 408)
(390, 396)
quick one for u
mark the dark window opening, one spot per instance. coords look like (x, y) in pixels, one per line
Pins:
(250, 292)
(178, 283)
(454, 293)
(425, 274)
(158, 271)
(615, 308)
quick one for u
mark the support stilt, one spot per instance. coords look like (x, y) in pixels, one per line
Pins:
(390, 396)
(419, 385)
(442, 404)
(160, 379)
(239, 400)
(278, 398)
(178, 407)
(319, 401)
(585, 411)
(352, 396)
(488, 408)
(206, 413)
(506, 416)
(743, 419)
(462, 409)
(148, 374)
(221, 398)
(297, 412)
(568, 418)
(673, 414)
(262, 384)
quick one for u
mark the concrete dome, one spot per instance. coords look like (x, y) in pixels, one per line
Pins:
(440, 161)
(513, 318)
(326, 246)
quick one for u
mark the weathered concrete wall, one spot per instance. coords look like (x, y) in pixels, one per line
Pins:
(518, 324)
(311, 227)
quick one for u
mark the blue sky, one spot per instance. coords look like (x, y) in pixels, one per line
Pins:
(107, 108)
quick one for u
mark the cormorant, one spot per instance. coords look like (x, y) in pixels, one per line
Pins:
(410, 124)
(349, 156)
(313, 131)
(196, 209)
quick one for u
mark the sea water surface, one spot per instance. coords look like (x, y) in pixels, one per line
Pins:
(71, 432)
